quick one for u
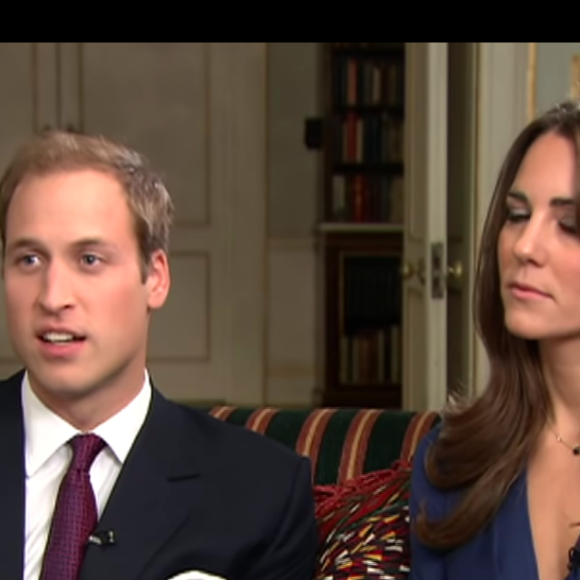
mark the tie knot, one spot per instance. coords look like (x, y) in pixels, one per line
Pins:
(85, 449)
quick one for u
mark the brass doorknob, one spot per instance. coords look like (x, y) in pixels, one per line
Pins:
(456, 270)
(408, 270)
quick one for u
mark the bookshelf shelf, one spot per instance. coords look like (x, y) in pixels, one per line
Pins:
(360, 228)
(369, 167)
(392, 110)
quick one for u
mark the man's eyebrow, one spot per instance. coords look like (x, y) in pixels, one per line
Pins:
(23, 243)
(30, 242)
(93, 241)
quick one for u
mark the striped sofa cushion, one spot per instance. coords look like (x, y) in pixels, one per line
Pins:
(341, 443)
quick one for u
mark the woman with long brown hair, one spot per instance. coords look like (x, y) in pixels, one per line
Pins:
(496, 486)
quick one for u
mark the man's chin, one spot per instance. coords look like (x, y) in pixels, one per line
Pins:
(65, 382)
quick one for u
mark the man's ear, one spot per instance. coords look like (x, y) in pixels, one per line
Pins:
(158, 280)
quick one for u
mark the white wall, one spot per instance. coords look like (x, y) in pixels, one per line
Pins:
(293, 96)
(553, 72)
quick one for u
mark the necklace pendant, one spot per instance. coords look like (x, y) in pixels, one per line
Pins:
(576, 450)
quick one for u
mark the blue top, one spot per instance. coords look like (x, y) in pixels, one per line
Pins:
(504, 550)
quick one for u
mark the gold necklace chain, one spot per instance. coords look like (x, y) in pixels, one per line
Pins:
(574, 448)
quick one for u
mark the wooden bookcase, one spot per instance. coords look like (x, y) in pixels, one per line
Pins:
(362, 222)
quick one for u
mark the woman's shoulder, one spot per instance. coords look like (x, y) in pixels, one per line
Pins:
(429, 439)
(423, 492)
(423, 448)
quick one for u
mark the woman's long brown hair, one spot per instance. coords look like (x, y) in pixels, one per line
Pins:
(484, 445)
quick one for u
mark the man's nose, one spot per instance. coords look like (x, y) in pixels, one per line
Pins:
(56, 289)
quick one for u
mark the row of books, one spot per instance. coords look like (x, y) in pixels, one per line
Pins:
(368, 82)
(366, 199)
(371, 358)
(368, 139)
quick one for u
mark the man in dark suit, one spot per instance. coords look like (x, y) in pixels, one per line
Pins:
(103, 478)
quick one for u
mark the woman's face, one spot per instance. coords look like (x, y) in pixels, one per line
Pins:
(538, 246)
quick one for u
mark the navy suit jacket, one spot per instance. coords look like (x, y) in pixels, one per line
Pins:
(504, 550)
(194, 494)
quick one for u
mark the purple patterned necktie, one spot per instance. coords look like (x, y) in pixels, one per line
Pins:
(75, 513)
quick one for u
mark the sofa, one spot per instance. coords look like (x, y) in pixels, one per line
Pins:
(361, 461)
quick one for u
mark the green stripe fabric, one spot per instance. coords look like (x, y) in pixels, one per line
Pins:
(386, 440)
(331, 446)
(384, 444)
(285, 426)
(239, 416)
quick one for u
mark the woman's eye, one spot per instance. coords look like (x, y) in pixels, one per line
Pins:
(514, 215)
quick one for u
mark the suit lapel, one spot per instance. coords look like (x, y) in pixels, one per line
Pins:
(12, 482)
(147, 504)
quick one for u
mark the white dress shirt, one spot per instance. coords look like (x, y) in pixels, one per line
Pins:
(48, 456)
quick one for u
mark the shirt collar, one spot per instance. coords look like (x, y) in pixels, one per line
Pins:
(46, 432)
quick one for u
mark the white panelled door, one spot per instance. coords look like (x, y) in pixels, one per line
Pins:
(425, 247)
(198, 111)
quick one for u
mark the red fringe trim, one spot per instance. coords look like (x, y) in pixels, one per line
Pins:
(329, 497)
